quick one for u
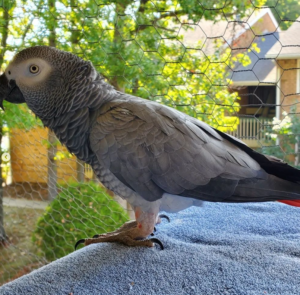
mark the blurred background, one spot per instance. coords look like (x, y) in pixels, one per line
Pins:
(233, 64)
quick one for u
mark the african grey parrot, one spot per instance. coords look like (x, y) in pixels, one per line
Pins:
(155, 157)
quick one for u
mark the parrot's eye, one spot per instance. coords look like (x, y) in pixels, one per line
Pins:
(34, 69)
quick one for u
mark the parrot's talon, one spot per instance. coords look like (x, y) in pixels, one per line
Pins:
(82, 241)
(158, 242)
(96, 236)
(165, 216)
(154, 230)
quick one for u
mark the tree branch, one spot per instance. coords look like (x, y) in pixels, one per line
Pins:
(142, 6)
(26, 31)
(154, 22)
(4, 34)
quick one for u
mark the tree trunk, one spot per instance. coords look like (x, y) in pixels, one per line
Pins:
(52, 150)
(80, 170)
(4, 35)
(120, 10)
(51, 24)
(52, 166)
(75, 38)
(3, 236)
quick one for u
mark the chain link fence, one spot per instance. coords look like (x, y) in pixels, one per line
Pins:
(233, 64)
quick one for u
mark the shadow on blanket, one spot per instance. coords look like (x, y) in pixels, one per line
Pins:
(216, 249)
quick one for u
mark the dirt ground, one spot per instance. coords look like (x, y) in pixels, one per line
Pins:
(27, 190)
(20, 255)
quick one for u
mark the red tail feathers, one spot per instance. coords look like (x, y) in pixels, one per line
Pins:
(295, 203)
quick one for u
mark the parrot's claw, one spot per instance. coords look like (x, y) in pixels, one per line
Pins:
(154, 230)
(159, 221)
(158, 242)
(165, 216)
(79, 242)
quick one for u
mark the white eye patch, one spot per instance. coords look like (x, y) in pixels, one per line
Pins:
(29, 72)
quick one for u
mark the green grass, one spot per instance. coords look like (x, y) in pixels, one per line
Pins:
(21, 255)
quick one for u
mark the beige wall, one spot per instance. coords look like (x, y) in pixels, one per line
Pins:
(288, 84)
(245, 40)
(264, 24)
(29, 157)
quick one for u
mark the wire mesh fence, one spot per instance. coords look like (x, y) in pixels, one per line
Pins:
(232, 64)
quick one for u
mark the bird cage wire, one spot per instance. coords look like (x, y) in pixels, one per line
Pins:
(232, 64)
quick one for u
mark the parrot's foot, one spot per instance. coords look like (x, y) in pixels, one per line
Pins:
(132, 233)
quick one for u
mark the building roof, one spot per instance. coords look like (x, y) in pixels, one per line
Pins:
(288, 43)
(261, 69)
(207, 31)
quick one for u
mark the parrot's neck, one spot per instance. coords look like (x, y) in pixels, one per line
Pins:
(72, 130)
(73, 125)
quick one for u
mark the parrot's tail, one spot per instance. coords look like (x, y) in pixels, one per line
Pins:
(283, 181)
(295, 203)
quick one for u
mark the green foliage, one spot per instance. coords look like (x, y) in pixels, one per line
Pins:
(284, 137)
(285, 11)
(79, 211)
(15, 115)
(18, 116)
(138, 47)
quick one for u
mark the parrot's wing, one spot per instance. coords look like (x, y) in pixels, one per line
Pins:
(154, 150)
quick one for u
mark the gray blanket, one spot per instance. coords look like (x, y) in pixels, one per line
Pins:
(217, 249)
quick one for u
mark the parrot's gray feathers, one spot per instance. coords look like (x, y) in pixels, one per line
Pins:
(189, 162)
(146, 152)
(265, 189)
(270, 164)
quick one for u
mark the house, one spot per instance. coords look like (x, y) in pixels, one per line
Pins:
(285, 54)
(271, 83)
(256, 83)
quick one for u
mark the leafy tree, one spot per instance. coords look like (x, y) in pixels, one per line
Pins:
(14, 116)
(138, 47)
(285, 11)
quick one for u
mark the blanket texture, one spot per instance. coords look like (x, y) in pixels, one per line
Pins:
(215, 249)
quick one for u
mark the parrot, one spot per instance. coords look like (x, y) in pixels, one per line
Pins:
(154, 156)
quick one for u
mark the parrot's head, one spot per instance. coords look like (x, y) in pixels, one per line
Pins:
(45, 78)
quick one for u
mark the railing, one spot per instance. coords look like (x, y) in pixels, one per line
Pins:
(252, 130)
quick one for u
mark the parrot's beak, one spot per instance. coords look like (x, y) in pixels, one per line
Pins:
(9, 91)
